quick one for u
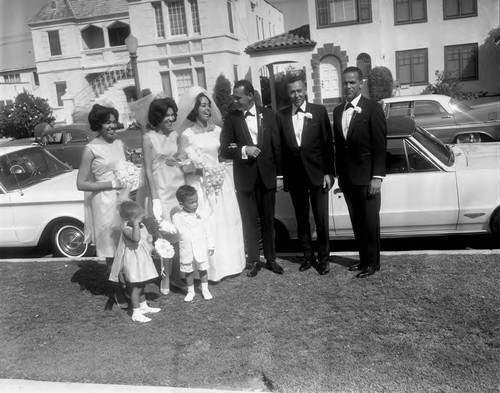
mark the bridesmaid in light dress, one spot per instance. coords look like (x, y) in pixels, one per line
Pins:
(163, 178)
(103, 190)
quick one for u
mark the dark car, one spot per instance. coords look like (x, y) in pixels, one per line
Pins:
(67, 142)
(449, 120)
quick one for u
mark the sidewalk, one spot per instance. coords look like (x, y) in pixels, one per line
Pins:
(27, 386)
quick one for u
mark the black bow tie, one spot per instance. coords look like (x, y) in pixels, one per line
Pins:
(248, 113)
(349, 105)
(299, 110)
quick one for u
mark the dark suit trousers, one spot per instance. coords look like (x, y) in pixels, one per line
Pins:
(258, 204)
(365, 218)
(301, 193)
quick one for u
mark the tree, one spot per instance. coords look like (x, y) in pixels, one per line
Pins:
(380, 83)
(492, 43)
(19, 118)
(222, 95)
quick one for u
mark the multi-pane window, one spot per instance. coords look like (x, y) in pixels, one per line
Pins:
(364, 63)
(461, 61)
(54, 43)
(412, 66)
(160, 26)
(177, 17)
(183, 81)
(333, 12)
(459, 8)
(410, 11)
(195, 16)
(60, 91)
(12, 78)
(230, 15)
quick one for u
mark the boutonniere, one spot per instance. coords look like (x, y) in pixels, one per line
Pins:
(259, 119)
(358, 109)
(308, 115)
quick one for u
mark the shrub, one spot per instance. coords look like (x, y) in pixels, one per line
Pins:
(18, 119)
(222, 95)
(445, 84)
(380, 83)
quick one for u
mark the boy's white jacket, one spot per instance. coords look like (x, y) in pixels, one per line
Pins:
(195, 236)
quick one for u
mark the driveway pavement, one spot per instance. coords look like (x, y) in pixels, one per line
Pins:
(26, 386)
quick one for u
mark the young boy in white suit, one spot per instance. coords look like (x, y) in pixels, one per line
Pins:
(196, 243)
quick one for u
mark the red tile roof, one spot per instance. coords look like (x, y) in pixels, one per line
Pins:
(58, 10)
(296, 38)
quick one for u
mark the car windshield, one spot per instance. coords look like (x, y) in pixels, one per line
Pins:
(24, 168)
(458, 106)
(441, 151)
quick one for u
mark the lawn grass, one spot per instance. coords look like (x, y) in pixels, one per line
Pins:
(426, 323)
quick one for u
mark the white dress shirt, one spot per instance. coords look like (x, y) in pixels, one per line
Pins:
(298, 121)
(253, 128)
(348, 114)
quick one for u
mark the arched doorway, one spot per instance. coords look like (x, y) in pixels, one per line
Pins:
(364, 63)
(329, 71)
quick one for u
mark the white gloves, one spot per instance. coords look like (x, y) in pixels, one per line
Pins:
(157, 211)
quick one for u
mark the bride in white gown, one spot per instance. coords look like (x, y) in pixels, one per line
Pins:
(199, 122)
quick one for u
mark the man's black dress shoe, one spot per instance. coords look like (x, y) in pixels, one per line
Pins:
(356, 267)
(248, 266)
(254, 270)
(323, 268)
(306, 265)
(368, 271)
(274, 267)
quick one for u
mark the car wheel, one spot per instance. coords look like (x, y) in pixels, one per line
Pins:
(68, 240)
(469, 138)
(495, 225)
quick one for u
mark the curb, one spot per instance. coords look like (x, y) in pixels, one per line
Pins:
(280, 255)
(28, 386)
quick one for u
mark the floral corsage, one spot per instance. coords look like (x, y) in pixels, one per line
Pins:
(164, 249)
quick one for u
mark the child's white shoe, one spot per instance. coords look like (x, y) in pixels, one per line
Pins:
(144, 308)
(189, 297)
(164, 291)
(138, 316)
(205, 292)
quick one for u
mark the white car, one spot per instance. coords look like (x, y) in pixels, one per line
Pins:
(430, 189)
(449, 120)
(39, 202)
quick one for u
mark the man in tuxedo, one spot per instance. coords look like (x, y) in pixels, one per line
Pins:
(250, 138)
(360, 142)
(308, 169)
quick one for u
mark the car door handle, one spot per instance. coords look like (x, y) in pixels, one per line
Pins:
(60, 149)
(446, 117)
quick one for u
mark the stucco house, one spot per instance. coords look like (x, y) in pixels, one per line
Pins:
(413, 38)
(80, 47)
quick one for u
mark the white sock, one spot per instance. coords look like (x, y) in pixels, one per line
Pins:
(205, 292)
(190, 295)
(143, 306)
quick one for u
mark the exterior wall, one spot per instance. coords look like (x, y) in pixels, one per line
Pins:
(215, 49)
(9, 91)
(382, 38)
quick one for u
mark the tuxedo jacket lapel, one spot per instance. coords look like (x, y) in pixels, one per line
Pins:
(353, 119)
(291, 130)
(260, 127)
(245, 130)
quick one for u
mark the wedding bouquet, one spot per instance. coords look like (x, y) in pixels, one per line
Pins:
(164, 248)
(194, 161)
(128, 173)
(214, 178)
(167, 227)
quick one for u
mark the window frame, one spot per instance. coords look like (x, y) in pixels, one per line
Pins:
(180, 25)
(60, 102)
(159, 20)
(326, 7)
(412, 82)
(54, 44)
(410, 20)
(195, 16)
(459, 6)
(476, 53)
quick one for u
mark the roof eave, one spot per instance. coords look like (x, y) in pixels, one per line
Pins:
(279, 48)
